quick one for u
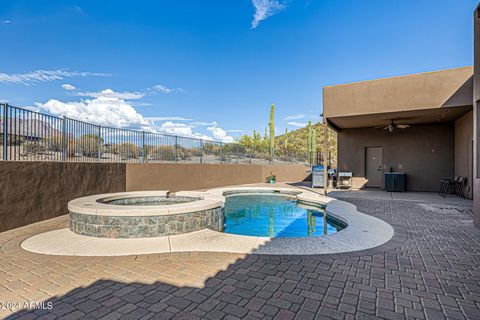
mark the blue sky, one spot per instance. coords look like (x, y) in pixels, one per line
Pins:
(212, 68)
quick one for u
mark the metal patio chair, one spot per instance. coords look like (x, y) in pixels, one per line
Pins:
(452, 186)
(459, 187)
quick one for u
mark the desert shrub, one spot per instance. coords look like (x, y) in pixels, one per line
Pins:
(164, 153)
(184, 153)
(89, 145)
(55, 141)
(211, 148)
(12, 140)
(33, 147)
(127, 150)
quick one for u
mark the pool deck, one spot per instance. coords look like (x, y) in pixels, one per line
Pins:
(430, 269)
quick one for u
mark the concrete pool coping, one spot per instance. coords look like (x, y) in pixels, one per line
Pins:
(363, 232)
(92, 205)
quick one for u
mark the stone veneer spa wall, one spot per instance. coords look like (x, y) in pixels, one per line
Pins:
(144, 214)
(148, 226)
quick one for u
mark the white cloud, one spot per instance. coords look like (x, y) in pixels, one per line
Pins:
(235, 130)
(107, 111)
(139, 104)
(265, 9)
(172, 118)
(107, 108)
(34, 77)
(109, 93)
(164, 89)
(295, 117)
(181, 129)
(69, 87)
(219, 134)
(186, 130)
(203, 123)
(31, 108)
(297, 124)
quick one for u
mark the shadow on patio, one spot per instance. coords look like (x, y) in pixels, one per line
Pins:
(431, 268)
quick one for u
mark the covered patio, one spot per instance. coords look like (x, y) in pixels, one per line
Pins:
(420, 125)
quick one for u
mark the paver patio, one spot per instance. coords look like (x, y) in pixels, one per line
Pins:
(430, 269)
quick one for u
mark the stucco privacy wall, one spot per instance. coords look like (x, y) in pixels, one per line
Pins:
(175, 177)
(424, 152)
(464, 150)
(35, 191)
(413, 92)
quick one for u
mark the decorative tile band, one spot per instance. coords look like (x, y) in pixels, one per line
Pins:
(147, 226)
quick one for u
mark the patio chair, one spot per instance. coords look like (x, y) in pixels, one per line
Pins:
(452, 185)
(459, 187)
(446, 186)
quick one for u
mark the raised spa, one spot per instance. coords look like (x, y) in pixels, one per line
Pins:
(143, 214)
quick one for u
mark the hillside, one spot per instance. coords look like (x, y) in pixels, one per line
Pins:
(297, 141)
(296, 148)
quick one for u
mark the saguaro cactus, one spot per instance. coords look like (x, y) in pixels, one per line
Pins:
(286, 139)
(314, 144)
(309, 142)
(272, 130)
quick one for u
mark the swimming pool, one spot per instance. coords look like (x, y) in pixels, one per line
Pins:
(275, 216)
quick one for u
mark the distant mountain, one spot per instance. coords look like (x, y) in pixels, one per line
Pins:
(32, 128)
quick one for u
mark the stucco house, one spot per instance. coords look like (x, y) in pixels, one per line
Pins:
(425, 125)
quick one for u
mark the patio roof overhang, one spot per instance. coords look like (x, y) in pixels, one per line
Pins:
(411, 117)
(431, 97)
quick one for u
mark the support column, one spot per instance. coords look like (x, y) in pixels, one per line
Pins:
(325, 156)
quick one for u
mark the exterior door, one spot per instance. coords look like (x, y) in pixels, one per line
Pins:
(373, 167)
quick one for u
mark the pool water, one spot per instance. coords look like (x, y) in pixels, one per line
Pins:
(275, 216)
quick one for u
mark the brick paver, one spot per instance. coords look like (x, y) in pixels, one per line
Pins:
(429, 270)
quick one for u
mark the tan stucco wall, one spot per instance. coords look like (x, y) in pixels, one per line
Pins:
(412, 92)
(175, 177)
(424, 152)
(476, 116)
(35, 191)
(464, 150)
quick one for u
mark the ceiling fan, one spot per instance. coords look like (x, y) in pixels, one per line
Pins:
(392, 126)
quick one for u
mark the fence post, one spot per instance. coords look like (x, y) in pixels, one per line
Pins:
(143, 146)
(221, 152)
(176, 148)
(99, 143)
(5, 131)
(64, 136)
(201, 151)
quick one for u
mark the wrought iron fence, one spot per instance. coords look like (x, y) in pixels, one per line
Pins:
(28, 135)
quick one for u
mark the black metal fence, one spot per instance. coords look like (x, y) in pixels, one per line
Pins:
(32, 136)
